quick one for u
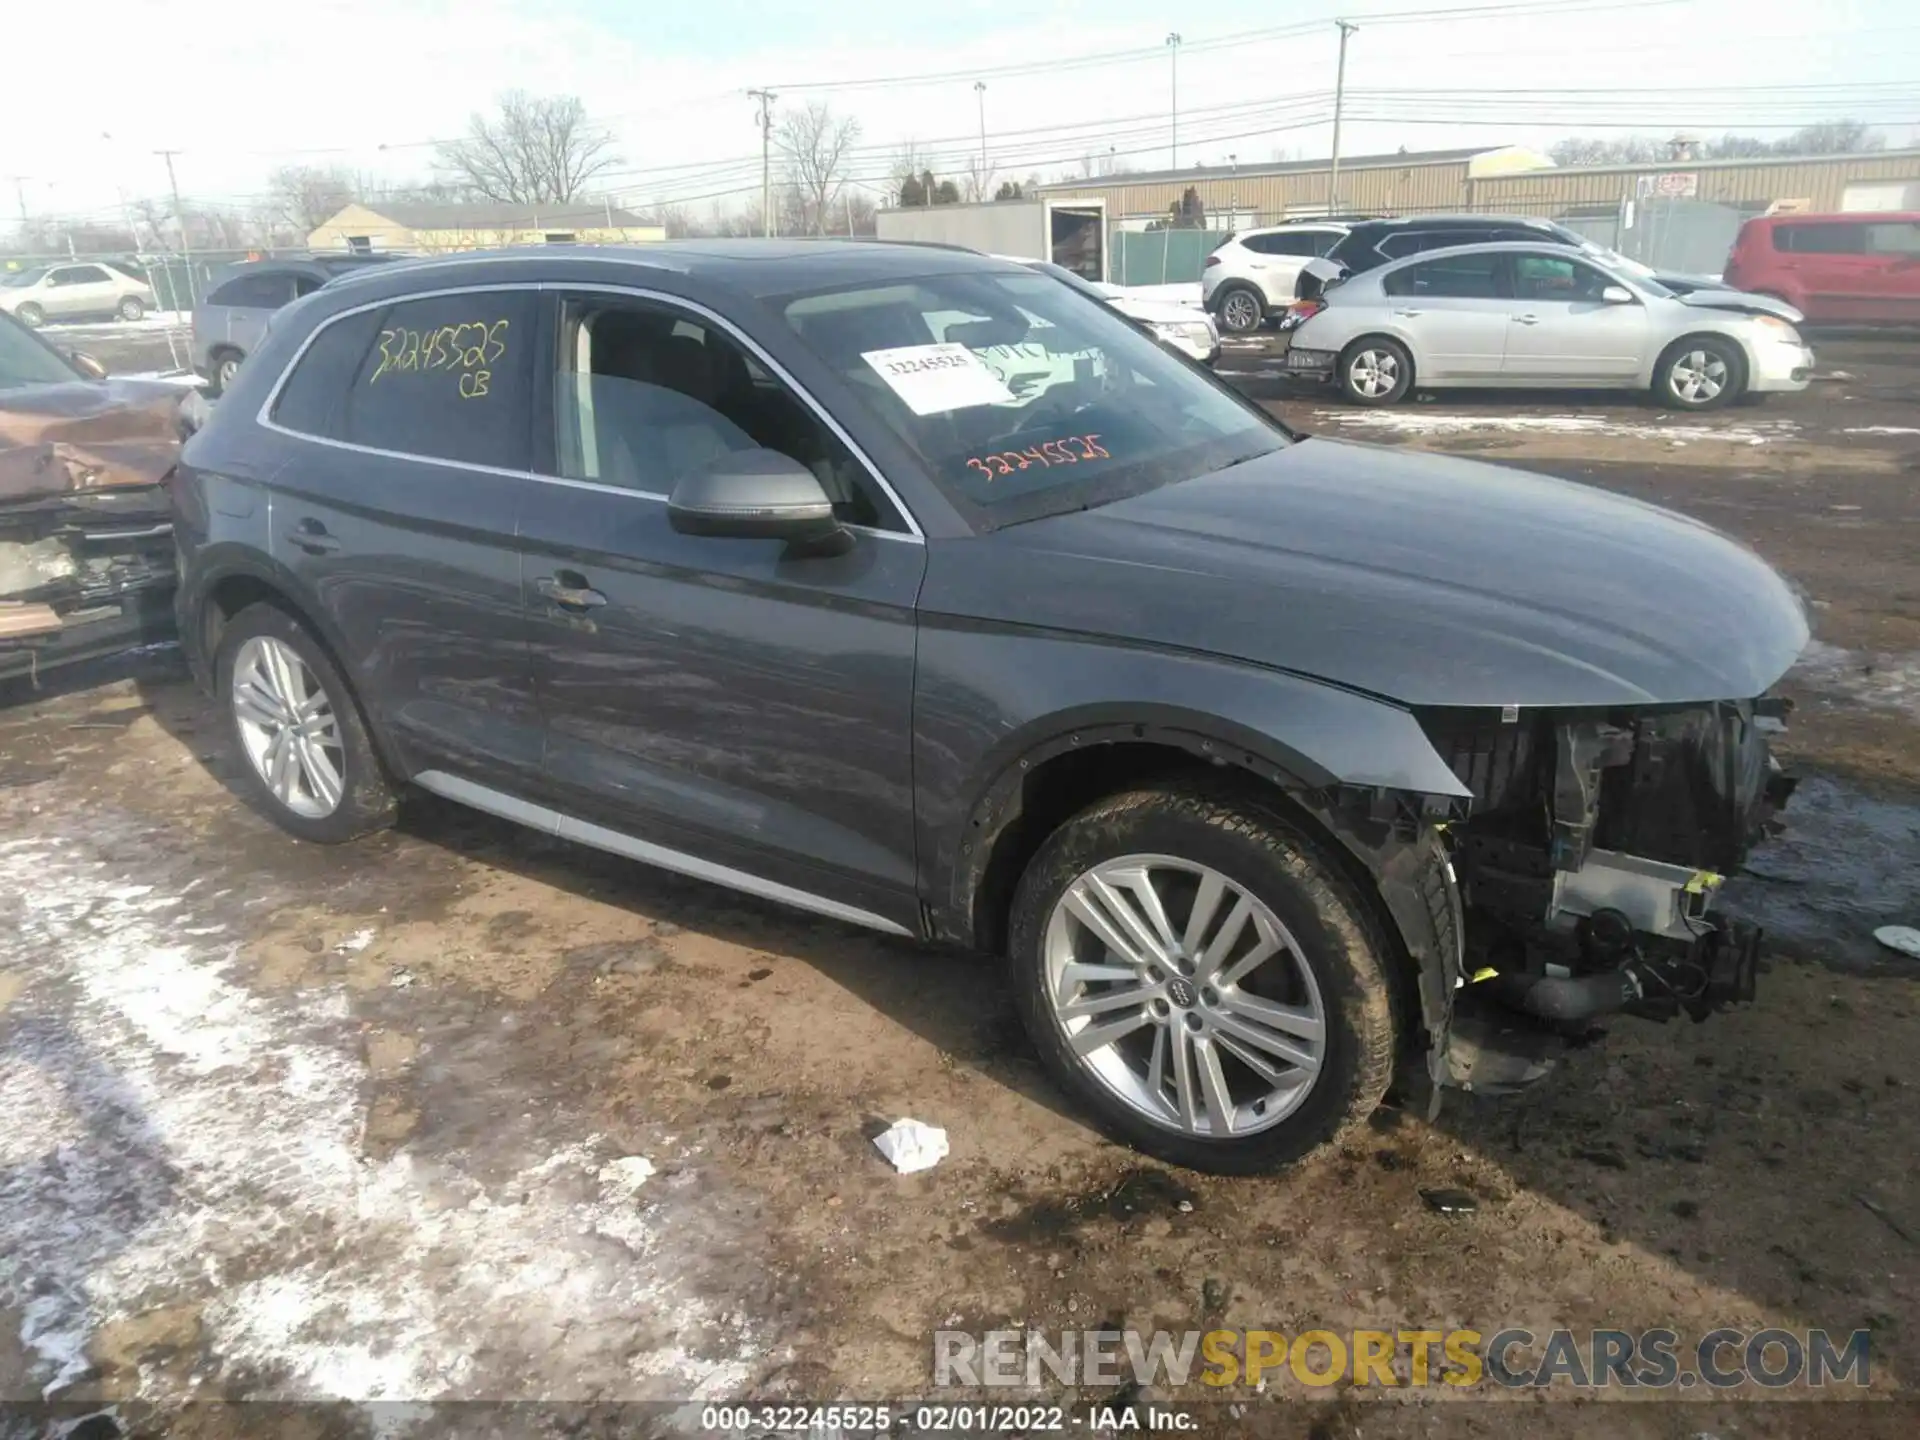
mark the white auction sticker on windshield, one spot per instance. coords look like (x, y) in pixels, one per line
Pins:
(934, 379)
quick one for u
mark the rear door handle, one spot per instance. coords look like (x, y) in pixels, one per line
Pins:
(569, 592)
(1409, 314)
(311, 536)
(1526, 319)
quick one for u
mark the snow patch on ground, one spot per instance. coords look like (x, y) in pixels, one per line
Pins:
(170, 1137)
(146, 324)
(1880, 430)
(1884, 682)
(1423, 422)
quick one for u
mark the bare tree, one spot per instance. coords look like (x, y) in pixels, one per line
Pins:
(537, 150)
(818, 146)
(302, 198)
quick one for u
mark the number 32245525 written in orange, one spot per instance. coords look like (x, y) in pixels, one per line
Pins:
(1067, 450)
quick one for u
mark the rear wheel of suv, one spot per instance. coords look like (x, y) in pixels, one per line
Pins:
(31, 316)
(1197, 975)
(1375, 371)
(132, 307)
(1699, 373)
(1242, 310)
(310, 766)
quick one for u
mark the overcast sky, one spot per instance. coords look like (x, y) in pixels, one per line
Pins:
(240, 86)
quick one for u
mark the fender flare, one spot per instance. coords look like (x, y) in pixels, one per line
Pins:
(222, 561)
(1391, 832)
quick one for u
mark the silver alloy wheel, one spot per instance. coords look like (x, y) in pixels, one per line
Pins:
(288, 727)
(1374, 372)
(132, 308)
(1240, 311)
(228, 368)
(1697, 376)
(1184, 995)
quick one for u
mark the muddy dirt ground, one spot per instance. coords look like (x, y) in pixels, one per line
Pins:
(460, 1111)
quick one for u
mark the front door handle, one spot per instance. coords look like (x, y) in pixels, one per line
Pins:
(1409, 314)
(311, 536)
(1526, 319)
(569, 592)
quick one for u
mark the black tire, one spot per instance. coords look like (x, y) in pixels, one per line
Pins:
(1377, 357)
(366, 801)
(132, 307)
(1690, 370)
(224, 364)
(1242, 309)
(31, 316)
(1337, 937)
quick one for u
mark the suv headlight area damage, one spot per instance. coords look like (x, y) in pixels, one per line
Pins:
(1590, 863)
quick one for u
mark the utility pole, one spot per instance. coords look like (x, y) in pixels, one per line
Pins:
(1339, 95)
(980, 94)
(186, 245)
(766, 99)
(1173, 75)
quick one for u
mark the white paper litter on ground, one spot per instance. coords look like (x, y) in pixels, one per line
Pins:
(623, 1178)
(1903, 938)
(912, 1146)
(934, 379)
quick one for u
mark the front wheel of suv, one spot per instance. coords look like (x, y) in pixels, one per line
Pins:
(1202, 979)
(310, 766)
(1242, 311)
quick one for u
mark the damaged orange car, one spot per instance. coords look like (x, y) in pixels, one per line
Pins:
(86, 543)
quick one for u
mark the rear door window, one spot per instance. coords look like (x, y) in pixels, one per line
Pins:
(448, 378)
(1838, 238)
(1466, 277)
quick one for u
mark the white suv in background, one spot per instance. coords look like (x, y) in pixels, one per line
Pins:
(77, 291)
(1253, 273)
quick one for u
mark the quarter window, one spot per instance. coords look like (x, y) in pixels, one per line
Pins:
(1894, 237)
(645, 396)
(314, 395)
(1290, 242)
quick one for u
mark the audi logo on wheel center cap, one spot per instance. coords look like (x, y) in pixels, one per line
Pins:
(1181, 992)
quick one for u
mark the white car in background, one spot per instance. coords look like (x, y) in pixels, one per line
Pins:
(81, 291)
(1181, 328)
(1253, 273)
(1520, 314)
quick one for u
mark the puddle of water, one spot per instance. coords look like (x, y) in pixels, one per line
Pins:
(1847, 863)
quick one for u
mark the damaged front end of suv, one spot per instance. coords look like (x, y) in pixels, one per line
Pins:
(86, 530)
(1590, 868)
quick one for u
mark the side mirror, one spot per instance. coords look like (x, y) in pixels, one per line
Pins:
(754, 495)
(1617, 295)
(87, 365)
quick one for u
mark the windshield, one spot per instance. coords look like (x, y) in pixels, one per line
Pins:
(1023, 396)
(25, 361)
(23, 277)
(1067, 277)
(1641, 275)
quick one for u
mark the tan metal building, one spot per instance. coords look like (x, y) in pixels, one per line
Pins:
(432, 229)
(1501, 180)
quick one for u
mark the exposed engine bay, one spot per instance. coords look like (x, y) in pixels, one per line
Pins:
(82, 574)
(1596, 847)
(86, 535)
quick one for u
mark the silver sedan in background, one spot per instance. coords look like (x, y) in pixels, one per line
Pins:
(1545, 316)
